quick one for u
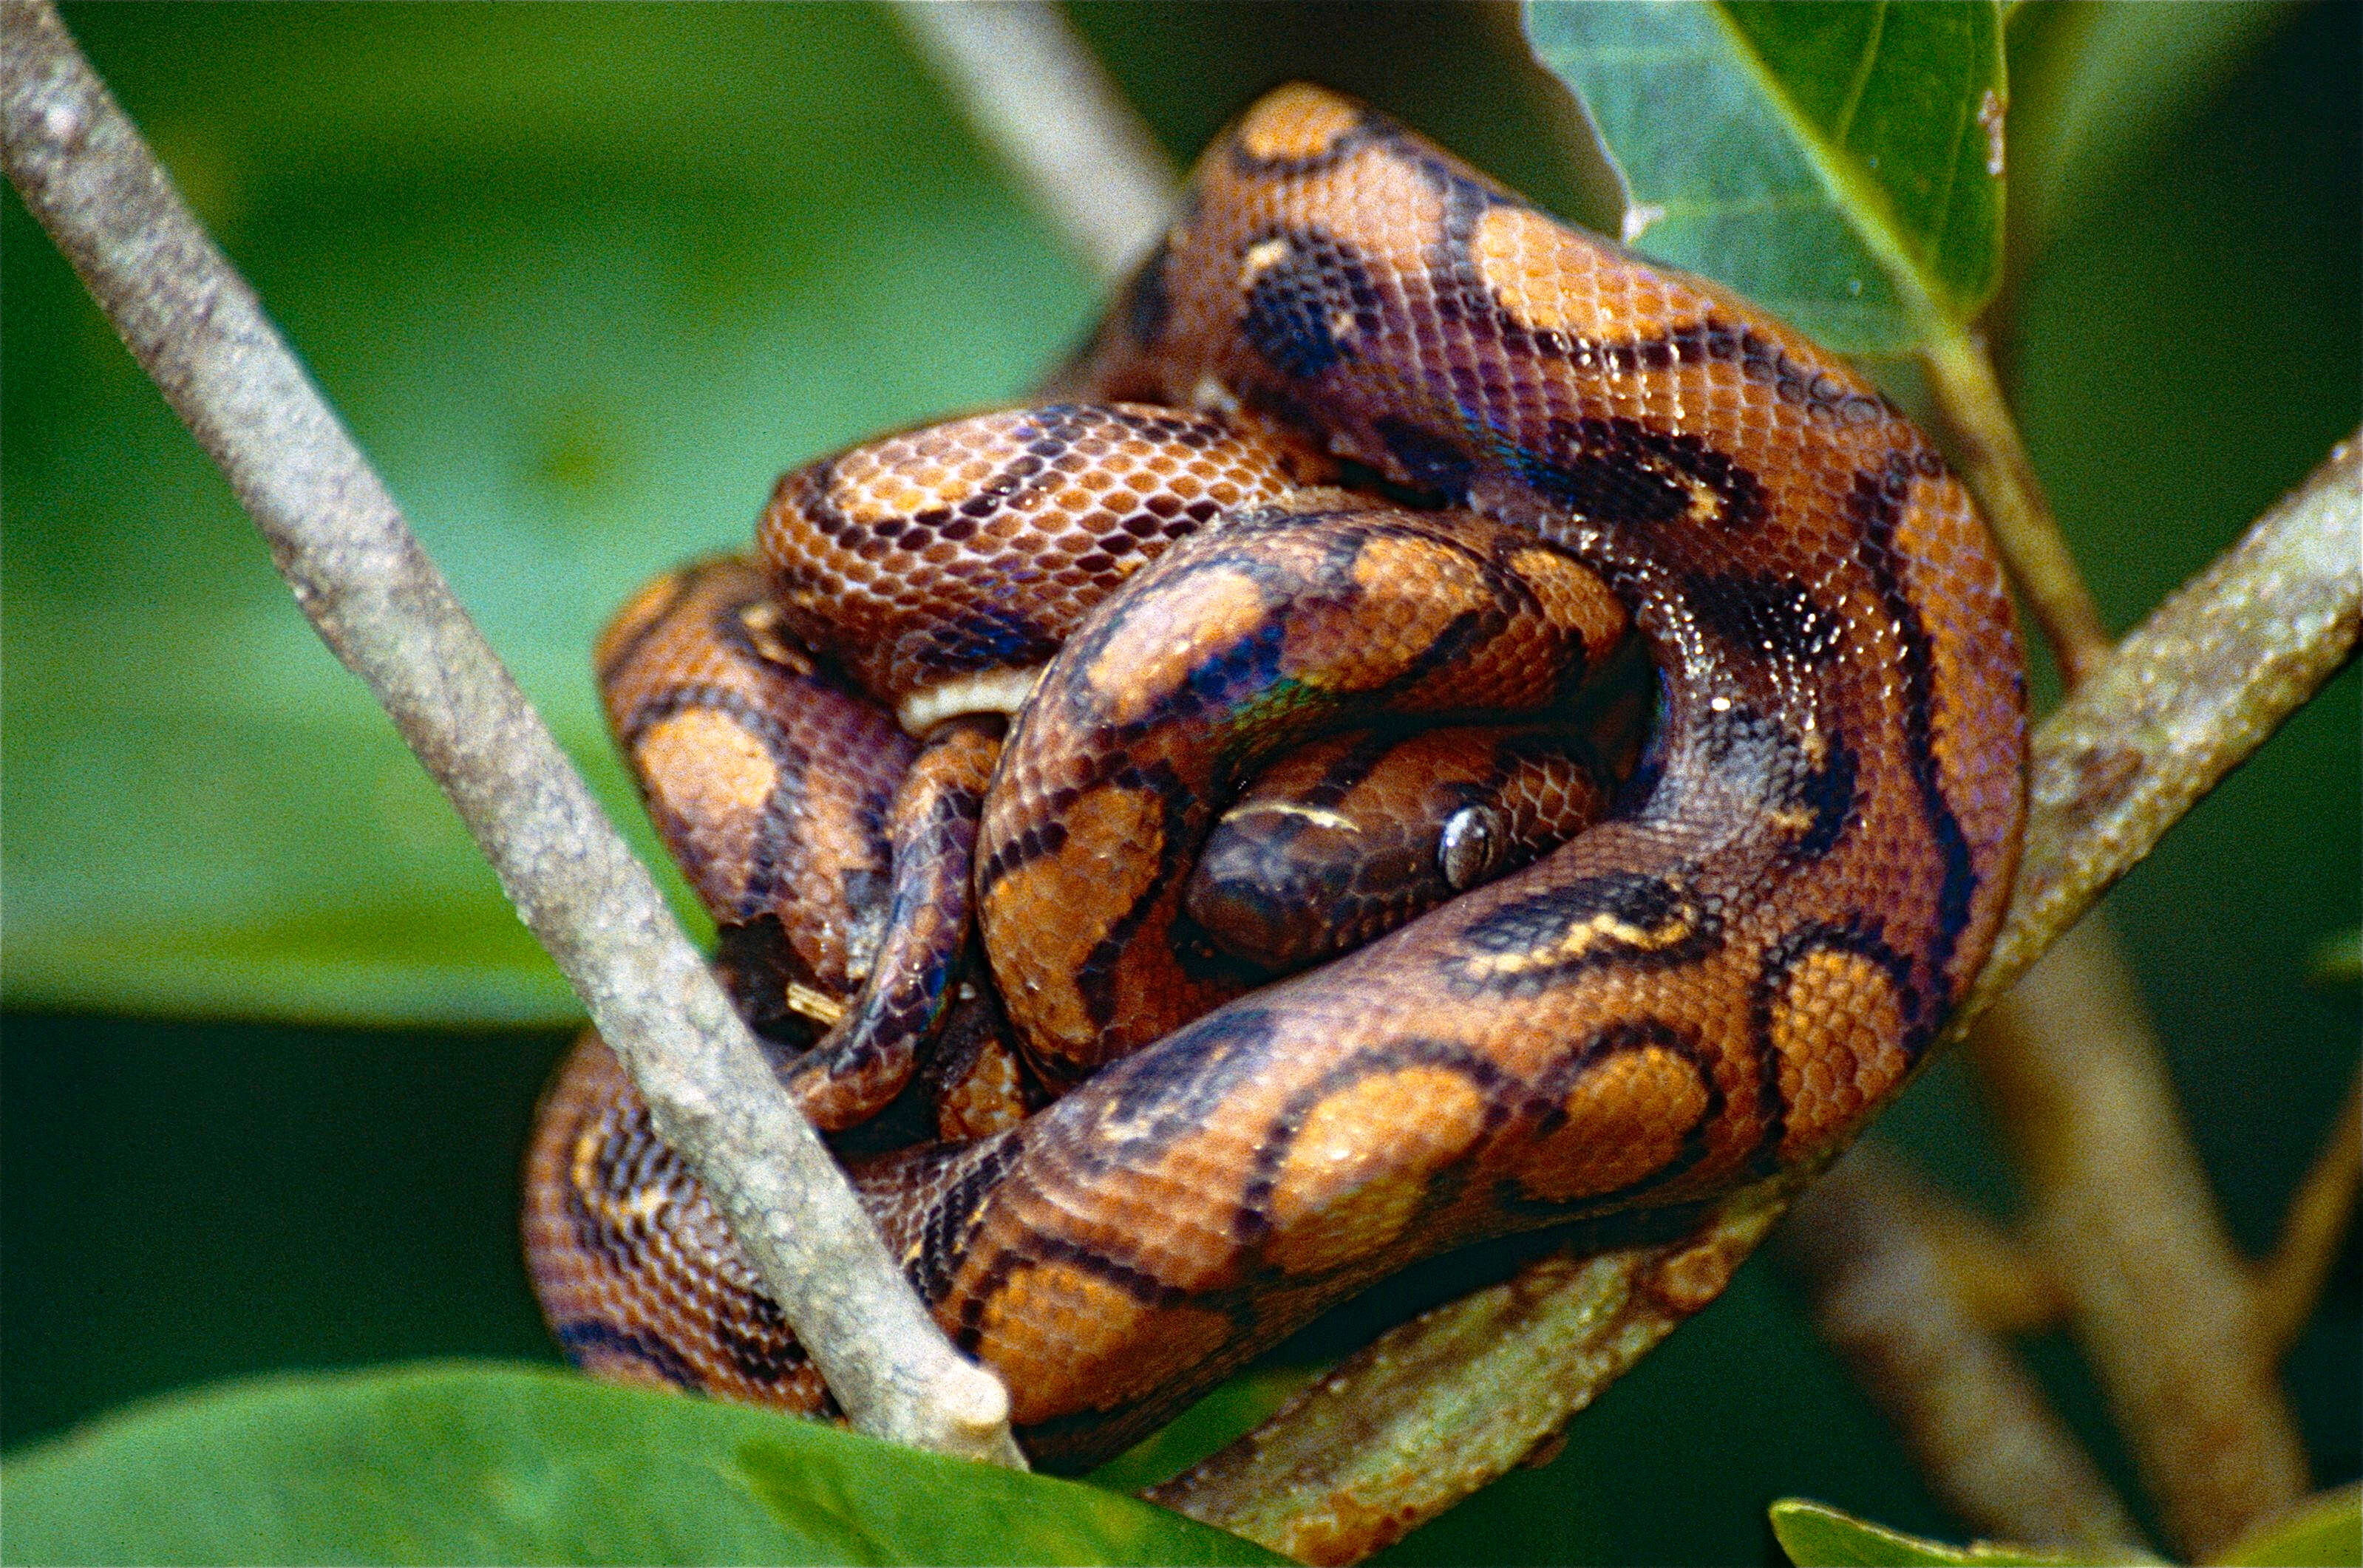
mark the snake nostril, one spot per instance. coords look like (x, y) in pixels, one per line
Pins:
(1470, 847)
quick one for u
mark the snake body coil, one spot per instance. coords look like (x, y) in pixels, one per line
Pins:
(1723, 977)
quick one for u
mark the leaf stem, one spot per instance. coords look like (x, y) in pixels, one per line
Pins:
(2290, 1282)
(362, 579)
(2121, 1209)
(1994, 463)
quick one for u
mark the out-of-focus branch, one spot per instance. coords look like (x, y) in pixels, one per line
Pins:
(1039, 99)
(1980, 1426)
(2290, 1282)
(2007, 1288)
(384, 610)
(1985, 441)
(2121, 1209)
(2186, 698)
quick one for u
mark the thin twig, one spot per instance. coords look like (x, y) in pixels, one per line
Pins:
(1993, 462)
(2006, 1285)
(2290, 1282)
(2189, 696)
(2158, 1297)
(384, 611)
(1981, 1426)
(1041, 101)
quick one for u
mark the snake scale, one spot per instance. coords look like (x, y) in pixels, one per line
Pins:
(1724, 976)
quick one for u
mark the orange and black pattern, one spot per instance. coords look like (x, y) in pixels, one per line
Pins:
(1725, 974)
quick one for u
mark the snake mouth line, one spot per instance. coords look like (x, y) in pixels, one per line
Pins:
(988, 691)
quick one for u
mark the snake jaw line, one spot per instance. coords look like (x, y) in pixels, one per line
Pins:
(986, 691)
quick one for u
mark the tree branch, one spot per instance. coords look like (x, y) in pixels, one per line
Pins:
(1435, 1408)
(385, 612)
(2120, 1209)
(1040, 100)
(2185, 698)
(2006, 1285)
(1982, 1428)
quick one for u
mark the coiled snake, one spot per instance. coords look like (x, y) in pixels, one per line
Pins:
(1725, 975)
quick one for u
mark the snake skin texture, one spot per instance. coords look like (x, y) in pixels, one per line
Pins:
(1723, 976)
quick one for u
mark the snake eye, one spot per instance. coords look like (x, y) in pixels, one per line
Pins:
(1474, 838)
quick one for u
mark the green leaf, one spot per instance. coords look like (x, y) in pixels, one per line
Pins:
(2324, 1531)
(482, 1463)
(2093, 86)
(582, 286)
(1839, 165)
(1815, 1535)
(2337, 960)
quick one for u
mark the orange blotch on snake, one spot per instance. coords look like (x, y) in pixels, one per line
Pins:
(1109, 859)
(1181, 621)
(1574, 599)
(1038, 1329)
(1357, 1171)
(1537, 272)
(1835, 1023)
(1297, 121)
(705, 766)
(1627, 1116)
(1344, 647)
(1554, 279)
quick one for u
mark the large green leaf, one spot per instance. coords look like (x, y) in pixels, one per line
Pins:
(1815, 1535)
(491, 1463)
(2324, 1531)
(1840, 165)
(582, 286)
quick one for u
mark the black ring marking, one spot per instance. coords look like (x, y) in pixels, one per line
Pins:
(1670, 927)
(1309, 304)
(1765, 617)
(1876, 505)
(1619, 471)
(580, 1337)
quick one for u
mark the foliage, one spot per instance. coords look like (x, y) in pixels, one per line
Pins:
(2325, 1530)
(1840, 165)
(1817, 1536)
(489, 1463)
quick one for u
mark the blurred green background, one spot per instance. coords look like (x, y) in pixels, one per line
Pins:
(583, 279)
